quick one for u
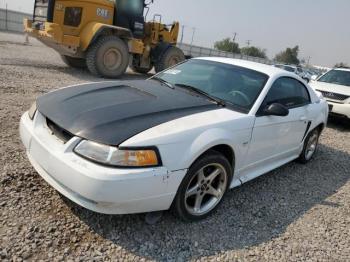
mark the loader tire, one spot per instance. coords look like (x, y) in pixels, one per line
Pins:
(74, 61)
(108, 57)
(170, 57)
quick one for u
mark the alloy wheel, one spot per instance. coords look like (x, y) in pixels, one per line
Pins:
(206, 189)
(311, 146)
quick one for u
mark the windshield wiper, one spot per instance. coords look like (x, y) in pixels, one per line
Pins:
(203, 93)
(163, 81)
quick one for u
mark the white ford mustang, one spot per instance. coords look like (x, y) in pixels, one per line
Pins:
(178, 140)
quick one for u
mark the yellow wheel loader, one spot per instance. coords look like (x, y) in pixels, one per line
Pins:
(105, 35)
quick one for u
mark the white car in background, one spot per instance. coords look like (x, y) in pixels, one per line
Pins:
(296, 70)
(178, 140)
(335, 87)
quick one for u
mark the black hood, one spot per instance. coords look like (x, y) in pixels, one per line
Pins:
(112, 112)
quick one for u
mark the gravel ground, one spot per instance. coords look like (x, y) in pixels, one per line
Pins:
(297, 212)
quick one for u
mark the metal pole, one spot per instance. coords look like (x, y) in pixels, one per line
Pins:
(234, 36)
(182, 34)
(233, 44)
(194, 30)
(308, 61)
(6, 26)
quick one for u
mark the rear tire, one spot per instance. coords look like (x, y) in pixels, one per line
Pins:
(170, 57)
(74, 61)
(310, 146)
(108, 57)
(202, 190)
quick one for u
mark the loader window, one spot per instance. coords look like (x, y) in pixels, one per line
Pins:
(129, 14)
(132, 7)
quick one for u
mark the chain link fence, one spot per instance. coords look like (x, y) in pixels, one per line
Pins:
(198, 51)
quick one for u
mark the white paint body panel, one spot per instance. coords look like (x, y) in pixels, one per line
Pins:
(260, 144)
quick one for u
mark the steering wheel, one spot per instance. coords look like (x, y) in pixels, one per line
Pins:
(242, 95)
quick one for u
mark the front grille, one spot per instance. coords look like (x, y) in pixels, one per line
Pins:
(43, 12)
(334, 96)
(59, 132)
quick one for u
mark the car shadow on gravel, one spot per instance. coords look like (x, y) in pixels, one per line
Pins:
(250, 215)
(342, 124)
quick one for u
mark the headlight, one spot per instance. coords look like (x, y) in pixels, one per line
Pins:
(32, 111)
(118, 157)
(72, 16)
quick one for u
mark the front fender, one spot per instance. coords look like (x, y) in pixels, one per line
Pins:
(205, 141)
(183, 140)
(94, 29)
(183, 153)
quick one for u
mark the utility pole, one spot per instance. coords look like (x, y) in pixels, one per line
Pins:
(194, 31)
(182, 34)
(248, 42)
(6, 14)
(234, 40)
(234, 36)
(308, 61)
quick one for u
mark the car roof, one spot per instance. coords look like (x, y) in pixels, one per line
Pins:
(263, 68)
(342, 69)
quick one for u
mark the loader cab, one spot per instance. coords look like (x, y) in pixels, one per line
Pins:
(129, 14)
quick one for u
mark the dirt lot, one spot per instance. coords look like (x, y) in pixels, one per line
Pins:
(294, 213)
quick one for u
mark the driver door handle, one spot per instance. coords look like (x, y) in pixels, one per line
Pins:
(303, 118)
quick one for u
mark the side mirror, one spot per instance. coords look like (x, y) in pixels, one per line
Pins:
(276, 109)
(314, 77)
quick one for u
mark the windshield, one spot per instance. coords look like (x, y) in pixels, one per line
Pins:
(338, 77)
(235, 85)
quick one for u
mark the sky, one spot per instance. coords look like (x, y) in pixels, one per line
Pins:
(319, 27)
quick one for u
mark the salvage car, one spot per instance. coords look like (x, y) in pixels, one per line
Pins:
(335, 87)
(178, 140)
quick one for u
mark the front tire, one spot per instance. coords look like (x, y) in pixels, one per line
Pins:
(170, 57)
(74, 61)
(108, 57)
(310, 146)
(203, 187)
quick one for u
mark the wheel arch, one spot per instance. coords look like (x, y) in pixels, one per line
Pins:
(225, 150)
(213, 139)
(320, 127)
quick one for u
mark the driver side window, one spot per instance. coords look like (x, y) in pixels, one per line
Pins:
(288, 92)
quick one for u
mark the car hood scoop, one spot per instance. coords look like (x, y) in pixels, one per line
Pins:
(111, 112)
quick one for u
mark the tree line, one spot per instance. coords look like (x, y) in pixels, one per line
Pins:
(288, 56)
(230, 46)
